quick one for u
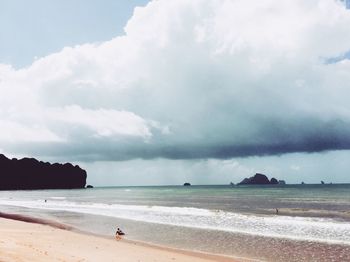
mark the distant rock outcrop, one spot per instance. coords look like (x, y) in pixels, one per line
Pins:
(274, 181)
(29, 173)
(259, 179)
(89, 186)
(187, 184)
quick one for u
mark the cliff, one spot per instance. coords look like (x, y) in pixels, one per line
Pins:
(259, 179)
(29, 173)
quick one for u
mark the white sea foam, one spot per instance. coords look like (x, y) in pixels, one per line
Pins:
(299, 228)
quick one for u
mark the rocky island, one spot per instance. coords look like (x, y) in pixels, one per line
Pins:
(29, 173)
(260, 179)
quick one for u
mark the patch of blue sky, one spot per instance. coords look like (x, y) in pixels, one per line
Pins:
(36, 28)
(333, 60)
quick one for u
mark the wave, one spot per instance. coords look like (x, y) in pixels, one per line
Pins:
(309, 212)
(317, 229)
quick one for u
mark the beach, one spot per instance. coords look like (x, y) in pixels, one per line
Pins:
(209, 222)
(26, 241)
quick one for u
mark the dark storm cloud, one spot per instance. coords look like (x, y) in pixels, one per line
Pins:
(275, 138)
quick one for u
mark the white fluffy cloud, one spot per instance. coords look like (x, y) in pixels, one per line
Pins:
(190, 79)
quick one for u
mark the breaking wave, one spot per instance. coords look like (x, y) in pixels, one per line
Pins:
(298, 228)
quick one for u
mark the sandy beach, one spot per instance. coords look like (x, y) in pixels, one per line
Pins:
(25, 241)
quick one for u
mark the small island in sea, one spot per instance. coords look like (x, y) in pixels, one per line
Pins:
(261, 179)
(30, 173)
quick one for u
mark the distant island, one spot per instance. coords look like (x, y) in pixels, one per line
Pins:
(29, 173)
(187, 184)
(261, 179)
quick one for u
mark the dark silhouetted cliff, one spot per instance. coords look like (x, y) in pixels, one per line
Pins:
(259, 179)
(29, 173)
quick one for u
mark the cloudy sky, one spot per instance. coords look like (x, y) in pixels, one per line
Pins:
(162, 92)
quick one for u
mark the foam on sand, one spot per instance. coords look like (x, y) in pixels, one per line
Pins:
(319, 229)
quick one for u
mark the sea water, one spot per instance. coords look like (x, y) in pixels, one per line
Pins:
(274, 223)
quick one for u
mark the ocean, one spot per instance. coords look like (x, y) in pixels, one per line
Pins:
(312, 223)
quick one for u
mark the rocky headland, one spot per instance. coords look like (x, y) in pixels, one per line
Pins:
(29, 173)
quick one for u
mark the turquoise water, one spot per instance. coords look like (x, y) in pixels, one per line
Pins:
(312, 224)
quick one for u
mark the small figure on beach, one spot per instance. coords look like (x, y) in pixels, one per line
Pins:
(276, 211)
(119, 233)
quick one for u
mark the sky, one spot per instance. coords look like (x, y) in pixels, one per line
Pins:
(37, 28)
(166, 92)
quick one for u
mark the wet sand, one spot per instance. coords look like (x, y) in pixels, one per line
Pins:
(42, 240)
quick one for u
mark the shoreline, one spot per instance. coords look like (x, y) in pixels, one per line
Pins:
(60, 229)
(65, 210)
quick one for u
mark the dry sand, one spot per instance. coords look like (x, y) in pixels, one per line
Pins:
(23, 241)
